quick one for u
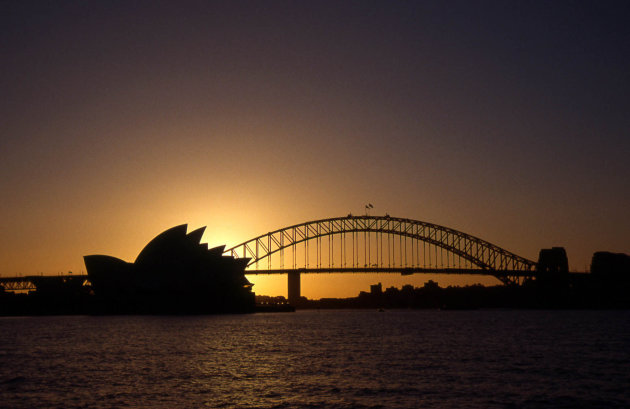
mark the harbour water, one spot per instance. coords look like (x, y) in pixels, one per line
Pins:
(319, 359)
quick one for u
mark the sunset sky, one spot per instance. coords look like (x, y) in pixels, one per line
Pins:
(505, 120)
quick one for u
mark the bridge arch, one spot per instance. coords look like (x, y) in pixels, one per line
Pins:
(486, 257)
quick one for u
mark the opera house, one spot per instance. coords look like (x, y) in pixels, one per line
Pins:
(174, 273)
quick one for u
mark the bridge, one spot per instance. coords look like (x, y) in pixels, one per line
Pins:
(360, 244)
(377, 244)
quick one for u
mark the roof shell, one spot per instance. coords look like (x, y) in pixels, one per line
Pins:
(164, 243)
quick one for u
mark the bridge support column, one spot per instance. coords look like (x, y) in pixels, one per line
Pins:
(294, 287)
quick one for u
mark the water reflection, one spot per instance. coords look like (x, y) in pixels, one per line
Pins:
(319, 359)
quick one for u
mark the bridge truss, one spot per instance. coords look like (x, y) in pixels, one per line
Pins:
(379, 244)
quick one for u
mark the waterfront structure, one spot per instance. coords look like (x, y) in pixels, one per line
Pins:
(360, 244)
(174, 273)
(553, 261)
(377, 244)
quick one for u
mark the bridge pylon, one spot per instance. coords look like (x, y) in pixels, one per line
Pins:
(293, 281)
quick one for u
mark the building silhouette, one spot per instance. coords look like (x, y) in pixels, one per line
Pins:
(174, 273)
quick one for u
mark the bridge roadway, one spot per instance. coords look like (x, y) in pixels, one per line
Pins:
(395, 270)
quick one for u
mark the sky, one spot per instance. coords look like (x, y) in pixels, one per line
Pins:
(505, 120)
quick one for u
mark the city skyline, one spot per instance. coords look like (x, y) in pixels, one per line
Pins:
(507, 121)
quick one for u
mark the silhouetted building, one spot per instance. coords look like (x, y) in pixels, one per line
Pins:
(376, 289)
(611, 265)
(174, 273)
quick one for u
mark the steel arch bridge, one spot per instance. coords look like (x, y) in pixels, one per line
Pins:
(379, 244)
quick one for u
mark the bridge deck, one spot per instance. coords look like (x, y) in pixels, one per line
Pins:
(394, 270)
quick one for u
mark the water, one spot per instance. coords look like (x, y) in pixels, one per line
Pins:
(319, 359)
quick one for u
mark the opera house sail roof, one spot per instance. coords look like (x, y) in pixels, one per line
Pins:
(174, 273)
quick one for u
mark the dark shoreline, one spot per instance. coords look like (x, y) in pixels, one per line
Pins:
(553, 291)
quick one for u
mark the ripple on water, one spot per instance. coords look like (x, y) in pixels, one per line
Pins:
(308, 359)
